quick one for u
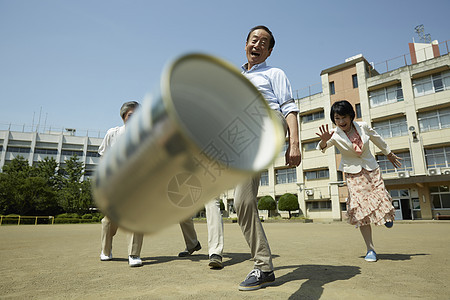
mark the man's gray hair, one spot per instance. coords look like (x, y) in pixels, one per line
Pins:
(127, 106)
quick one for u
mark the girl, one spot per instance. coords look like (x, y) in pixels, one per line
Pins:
(368, 202)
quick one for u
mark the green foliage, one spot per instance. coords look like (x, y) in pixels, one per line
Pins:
(222, 206)
(74, 195)
(288, 202)
(43, 189)
(267, 203)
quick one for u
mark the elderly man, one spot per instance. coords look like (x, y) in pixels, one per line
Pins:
(275, 87)
(109, 228)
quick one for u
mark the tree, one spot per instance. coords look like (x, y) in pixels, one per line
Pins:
(222, 205)
(47, 171)
(288, 202)
(28, 190)
(14, 187)
(267, 203)
(74, 195)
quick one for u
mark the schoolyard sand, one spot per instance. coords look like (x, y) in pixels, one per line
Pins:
(312, 261)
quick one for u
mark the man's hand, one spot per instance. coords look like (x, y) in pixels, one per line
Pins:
(293, 155)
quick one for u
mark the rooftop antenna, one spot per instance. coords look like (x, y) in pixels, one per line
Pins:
(424, 37)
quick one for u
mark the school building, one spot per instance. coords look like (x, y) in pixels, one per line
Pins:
(409, 106)
(35, 146)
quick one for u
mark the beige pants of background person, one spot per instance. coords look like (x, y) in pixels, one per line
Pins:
(215, 229)
(109, 229)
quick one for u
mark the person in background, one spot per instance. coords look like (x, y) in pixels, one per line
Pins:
(109, 228)
(214, 223)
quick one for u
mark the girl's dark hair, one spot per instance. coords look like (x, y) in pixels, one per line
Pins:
(342, 108)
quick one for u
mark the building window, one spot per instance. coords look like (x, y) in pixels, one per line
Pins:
(313, 117)
(431, 84)
(332, 91)
(358, 110)
(92, 148)
(392, 127)
(440, 196)
(317, 174)
(18, 149)
(284, 148)
(437, 157)
(387, 167)
(355, 81)
(340, 176)
(318, 205)
(92, 154)
(72, 152)
(73, 147)
(288, 175)
(310, 146)
(264, 180)
(46, 151)
(436, 119)
(386, 95)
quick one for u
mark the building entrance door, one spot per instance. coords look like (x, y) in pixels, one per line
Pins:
(401, 200)
(406, 208)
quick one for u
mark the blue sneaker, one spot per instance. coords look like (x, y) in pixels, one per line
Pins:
(257, 279)
(371, 256)
(389, 224)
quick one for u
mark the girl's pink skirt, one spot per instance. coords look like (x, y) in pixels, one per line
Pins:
(368, 202)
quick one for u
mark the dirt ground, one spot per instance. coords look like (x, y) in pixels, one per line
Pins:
(312, 261)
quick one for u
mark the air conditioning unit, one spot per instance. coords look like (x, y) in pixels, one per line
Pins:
(445, 171)
(434, 171)
(403, 174)
(309, 192)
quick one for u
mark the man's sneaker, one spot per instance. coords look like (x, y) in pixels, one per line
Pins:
(257, 279)
(188, 252)
(371, 256)
(215, 261)
(104, 257)
(134, 261)
(389, 224)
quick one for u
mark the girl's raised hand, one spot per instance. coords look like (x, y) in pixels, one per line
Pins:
(324, 134)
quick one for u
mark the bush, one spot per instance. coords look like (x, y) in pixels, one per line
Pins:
(288, 202)
(67, 220)
(267, 203)
(68, 216)
(222, 206)
(87, 216)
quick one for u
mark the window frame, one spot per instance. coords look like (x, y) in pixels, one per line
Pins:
(288, 179)
(385, 93)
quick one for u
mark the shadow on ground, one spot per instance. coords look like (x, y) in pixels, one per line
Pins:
(397, 256)
(316, 277)
(229, 259)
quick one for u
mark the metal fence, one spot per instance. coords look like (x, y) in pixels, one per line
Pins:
(17, 220)
(405, 59)
(380, 68)
(52, 130)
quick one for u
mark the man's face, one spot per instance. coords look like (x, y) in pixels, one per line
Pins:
(257, 47)
(128, 115)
